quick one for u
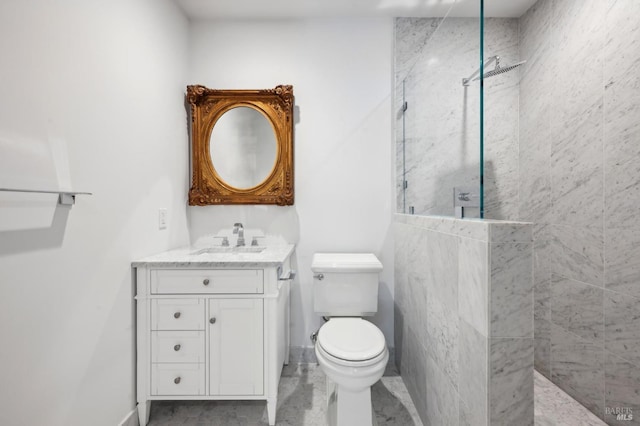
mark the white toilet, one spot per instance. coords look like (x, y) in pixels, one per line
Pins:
(351, 351)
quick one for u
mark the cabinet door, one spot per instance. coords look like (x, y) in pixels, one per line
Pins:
(236, 347)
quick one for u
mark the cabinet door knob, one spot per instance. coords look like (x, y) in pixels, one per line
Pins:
(212, 320)
(205, 281)
(176, 380)
(176, 315)
(176, 348)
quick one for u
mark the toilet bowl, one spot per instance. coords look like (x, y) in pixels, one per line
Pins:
(351, 351)
(353, 355)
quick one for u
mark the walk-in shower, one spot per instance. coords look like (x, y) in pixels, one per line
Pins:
(498, 69)
(548, 144)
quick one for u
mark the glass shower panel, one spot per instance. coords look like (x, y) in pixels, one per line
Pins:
(438, 134)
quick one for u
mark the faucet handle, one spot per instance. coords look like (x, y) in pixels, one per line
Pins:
(254, 240)
(225, 241)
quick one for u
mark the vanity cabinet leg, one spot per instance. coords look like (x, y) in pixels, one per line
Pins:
(271, 410)
(144, 408)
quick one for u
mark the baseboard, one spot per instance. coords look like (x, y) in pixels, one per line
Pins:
(130, 419)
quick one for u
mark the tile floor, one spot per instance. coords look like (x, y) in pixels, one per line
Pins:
(301, 403)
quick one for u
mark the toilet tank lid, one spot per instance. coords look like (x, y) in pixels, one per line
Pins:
(345, 262)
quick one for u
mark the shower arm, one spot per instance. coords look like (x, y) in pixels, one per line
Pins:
(496, 58)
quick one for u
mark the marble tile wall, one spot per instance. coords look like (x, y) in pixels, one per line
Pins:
(579, 183)
(464, 319)
(438, 137)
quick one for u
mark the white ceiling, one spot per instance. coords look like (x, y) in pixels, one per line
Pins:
(282, 9)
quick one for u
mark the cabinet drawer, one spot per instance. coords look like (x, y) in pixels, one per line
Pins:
(177, 379)
(177, 346)
(231, 281)
(177, 314)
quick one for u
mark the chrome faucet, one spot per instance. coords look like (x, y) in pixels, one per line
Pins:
(239, 229)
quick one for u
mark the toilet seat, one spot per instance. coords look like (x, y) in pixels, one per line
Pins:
(339, 362)
(352, 340)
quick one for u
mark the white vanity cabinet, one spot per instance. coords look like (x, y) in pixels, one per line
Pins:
(211, 330)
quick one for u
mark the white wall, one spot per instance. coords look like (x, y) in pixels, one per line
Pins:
(106, 80)
(341, 74)
(101, 87)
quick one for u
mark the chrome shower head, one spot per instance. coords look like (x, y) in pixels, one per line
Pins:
(499, 70)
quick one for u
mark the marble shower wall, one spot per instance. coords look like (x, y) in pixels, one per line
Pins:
(440, 133)
(464, 319)
(580, 184)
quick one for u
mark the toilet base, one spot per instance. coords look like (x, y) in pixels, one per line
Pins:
(347, 408)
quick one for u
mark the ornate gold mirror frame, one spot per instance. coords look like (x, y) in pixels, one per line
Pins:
(207, 106)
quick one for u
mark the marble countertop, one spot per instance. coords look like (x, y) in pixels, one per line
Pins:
(187, 257)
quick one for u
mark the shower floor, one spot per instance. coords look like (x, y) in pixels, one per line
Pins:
(302, 396)
(553, 407)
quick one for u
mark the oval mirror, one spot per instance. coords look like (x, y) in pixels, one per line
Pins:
(243, 147)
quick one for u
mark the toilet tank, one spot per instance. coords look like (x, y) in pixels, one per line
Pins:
(345, 284)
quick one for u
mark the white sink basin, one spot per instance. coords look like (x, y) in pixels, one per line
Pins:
(215, 250)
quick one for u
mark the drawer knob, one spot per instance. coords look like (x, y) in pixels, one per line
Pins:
(206, 281)
(212, 320)
(176, 315)
(176, 380)
(176, 348)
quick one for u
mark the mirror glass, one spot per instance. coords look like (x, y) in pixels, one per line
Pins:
(243, 147)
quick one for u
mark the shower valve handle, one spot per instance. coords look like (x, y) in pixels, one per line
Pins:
(463, 196)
